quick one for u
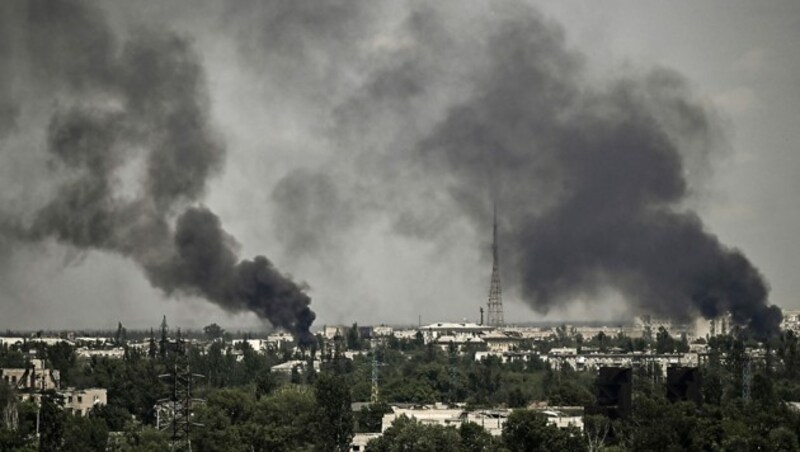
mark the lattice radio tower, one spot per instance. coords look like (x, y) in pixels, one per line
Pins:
(180, 402)
(495, 290)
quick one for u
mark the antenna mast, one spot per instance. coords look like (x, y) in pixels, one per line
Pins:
(495, 290)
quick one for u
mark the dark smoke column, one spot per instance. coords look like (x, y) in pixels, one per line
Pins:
(593, 182)
(204, 264)
(143, 99)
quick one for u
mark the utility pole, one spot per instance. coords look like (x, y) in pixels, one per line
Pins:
(453, 374)
(747, 377)
(375, 394)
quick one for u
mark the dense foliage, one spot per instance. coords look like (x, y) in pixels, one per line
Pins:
(249, 408)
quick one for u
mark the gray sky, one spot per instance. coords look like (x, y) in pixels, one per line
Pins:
(314, 180)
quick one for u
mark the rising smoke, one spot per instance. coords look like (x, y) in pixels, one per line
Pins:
(616, 181)
(421, 114)
(143, 102)
(591, 178)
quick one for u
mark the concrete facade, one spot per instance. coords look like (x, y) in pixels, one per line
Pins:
(35, 377)
(82, 401)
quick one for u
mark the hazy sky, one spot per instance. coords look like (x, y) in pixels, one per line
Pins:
(317, 104)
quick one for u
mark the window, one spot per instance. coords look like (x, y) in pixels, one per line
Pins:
(80, 399)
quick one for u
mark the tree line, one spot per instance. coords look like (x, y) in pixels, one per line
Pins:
(249, 407)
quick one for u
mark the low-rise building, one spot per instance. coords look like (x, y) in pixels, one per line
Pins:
(532, 334)
(492, 420)
(506, 357)
(593, 361)
(96, 341)
(563, 418)
(382, 331)
(408, 334)
(79, 402)
(707, 328)
(426, 414)
(112, 353)
(433, 331)
(82, 401)
(259, 345)
(360, 440)
(460, 342)
(791, 321)
(6, 340)
(287, 367)
(34, 377)
(331, 331)
(277, 340)
(502, 341)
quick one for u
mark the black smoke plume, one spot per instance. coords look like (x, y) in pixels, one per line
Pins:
(610, 213)
(430, 112)
(142, 101)
(591, 177)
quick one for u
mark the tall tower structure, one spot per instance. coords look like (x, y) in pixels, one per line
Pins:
(178, 408)
(495, 291)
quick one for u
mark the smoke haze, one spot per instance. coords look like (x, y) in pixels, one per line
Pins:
(146, 100)
(358, 125)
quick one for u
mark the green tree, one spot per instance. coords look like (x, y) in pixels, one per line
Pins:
(475, 438)
(266, 382)
(162, 344)
(370, 417)
(51, 420)
(140, 438)
(334, 416)
(409, 435)
(11, 357)
(152, 350)
(224, 418)
(121, 335)
(516, 398)
(568, 392)
(284, 420)
(11, 438)
(783, 439)
(7, 396)
(213, 331)
(664, 342)
(528, 431)
(113, 416)
(602, 342)
(62, 357)
(85, 434)
(353, 338)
